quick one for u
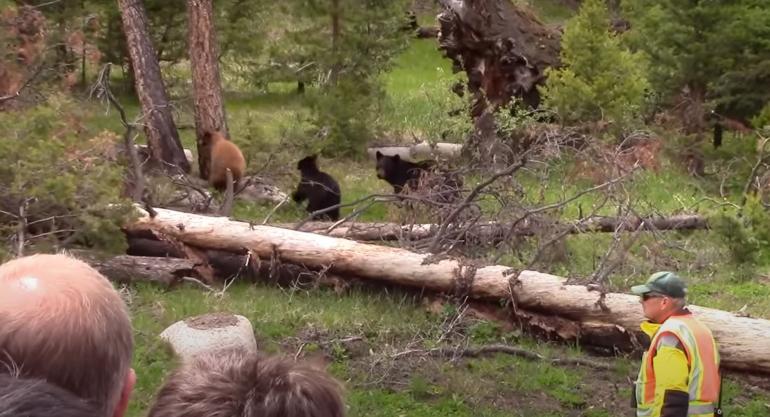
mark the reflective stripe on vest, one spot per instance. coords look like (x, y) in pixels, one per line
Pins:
(702, 357)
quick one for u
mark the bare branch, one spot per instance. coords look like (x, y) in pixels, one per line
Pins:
(499, 348)
(761, 159)
(470, 198)
(102, 89)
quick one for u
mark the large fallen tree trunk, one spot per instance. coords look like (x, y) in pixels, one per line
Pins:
(147, 244)
(742, 340)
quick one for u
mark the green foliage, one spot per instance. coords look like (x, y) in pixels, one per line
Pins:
(713, 47)
(61, 174)
(747, 233)
(346, 115)
(348, 43)
(485, 332)
(762, 120)
(600, 80)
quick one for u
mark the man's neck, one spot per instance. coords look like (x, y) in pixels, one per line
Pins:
(677, 312)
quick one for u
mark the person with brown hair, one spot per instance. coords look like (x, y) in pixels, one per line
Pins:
(25, 397)
(62, 321)
(236, 383)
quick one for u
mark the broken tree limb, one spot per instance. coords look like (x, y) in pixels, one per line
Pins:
(478, 351)
(422, 150)
(742, 340)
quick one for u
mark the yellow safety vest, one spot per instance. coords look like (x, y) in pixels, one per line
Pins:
(703, 363)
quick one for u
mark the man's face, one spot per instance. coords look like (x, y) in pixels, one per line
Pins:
(656, 306)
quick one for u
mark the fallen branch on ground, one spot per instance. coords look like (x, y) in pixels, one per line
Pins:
(474, 352)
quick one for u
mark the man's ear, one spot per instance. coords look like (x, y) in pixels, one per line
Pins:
(125, 394)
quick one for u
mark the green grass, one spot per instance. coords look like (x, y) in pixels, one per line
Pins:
(275, 314)
(550, 11)
(418, 89)
(492, 386)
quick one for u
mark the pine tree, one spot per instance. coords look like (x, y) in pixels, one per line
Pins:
(715, 50)
(600, 79)
(347, 43)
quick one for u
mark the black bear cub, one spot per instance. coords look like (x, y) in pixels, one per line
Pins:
(400, 173)
(319, 188)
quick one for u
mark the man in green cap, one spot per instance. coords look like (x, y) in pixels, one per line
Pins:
(679, 376)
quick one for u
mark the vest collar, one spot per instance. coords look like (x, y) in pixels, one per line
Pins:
(650, 328)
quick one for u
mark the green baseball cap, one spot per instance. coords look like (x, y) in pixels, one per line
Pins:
(664, 282)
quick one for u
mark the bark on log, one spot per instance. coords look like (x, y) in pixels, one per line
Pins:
(422, 150)
(742, 340)
(159, 125)
(207, 87)
(502, 47)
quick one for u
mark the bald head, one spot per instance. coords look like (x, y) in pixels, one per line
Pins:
(62, 321)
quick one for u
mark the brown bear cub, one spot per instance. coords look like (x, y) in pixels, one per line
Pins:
(224, 154)
(319, 188)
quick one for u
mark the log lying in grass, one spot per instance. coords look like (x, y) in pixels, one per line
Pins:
(131, 269)
(742, 340)
(422, 150)
(494, 232)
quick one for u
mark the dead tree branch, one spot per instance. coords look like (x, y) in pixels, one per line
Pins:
(470, 198)
(474, 352)
(761, 160)
(102, 90)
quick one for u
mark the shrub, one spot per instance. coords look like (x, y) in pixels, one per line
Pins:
(69, 186)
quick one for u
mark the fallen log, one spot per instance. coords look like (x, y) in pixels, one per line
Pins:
(127, 269)
(422, 150)
(493, 232)
(742, 340)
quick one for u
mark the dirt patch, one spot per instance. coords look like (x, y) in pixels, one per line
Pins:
(212, 321)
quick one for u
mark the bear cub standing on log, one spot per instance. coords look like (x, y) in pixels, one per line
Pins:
(224, 154)
(400, 173)
(319, 188)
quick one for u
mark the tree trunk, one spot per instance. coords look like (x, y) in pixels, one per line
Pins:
(335, 16)
(207, 87)
(742, 340)
(502, 47)
(160, 129)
